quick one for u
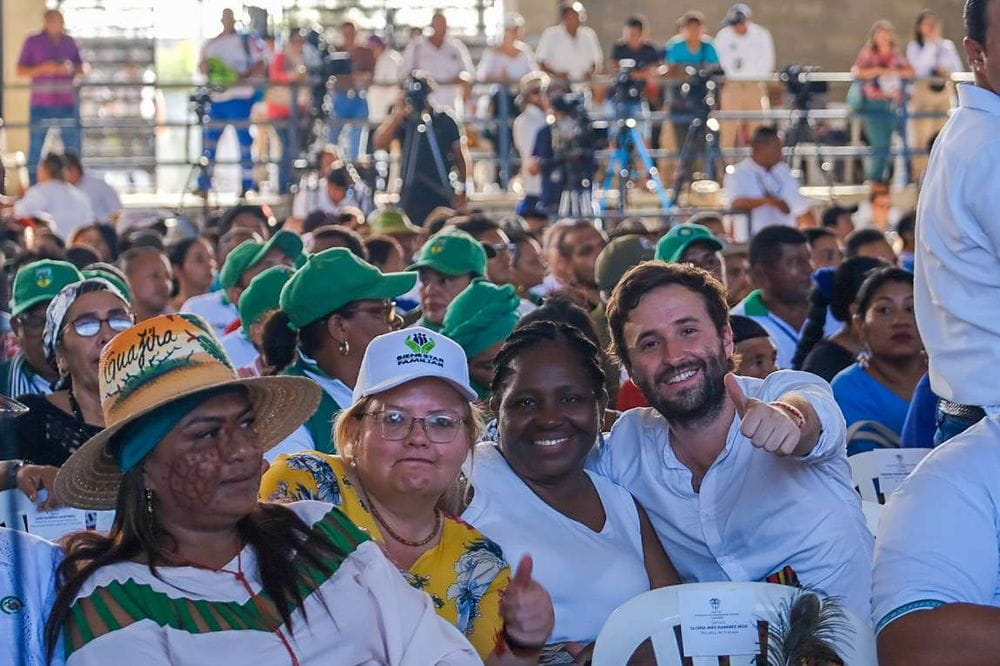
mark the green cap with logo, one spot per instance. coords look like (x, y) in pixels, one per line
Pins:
(672, 247)
(40, 281)
(481, 316)
(391, 222)
(262, 294)
(248, 253)
(331, 279)
(618, 257)
(453, 252)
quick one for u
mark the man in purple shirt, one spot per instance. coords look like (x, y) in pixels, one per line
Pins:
(51, 59)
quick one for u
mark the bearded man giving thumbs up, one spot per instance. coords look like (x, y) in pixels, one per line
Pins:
(744, 479)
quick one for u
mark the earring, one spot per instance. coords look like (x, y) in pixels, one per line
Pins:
(864, 356)
(345, 348)
(148, 495)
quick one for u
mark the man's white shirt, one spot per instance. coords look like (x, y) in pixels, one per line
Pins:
(749, 56)
(445, 64)
(957, 275)
(750, 180)
(575, 55)
(69, 207)
(525, 131)
(755, 512)
(240, 53)
(103, 199)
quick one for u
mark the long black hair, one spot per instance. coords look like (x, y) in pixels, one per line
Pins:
(918, 36)
(280, 540)
(875, 281)
(847, 281)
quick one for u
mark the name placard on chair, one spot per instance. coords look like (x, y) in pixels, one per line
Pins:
(718, 622)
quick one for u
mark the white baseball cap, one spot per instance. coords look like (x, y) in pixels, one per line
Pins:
(395, 358)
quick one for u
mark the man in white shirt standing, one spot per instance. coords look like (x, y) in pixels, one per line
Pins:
(229, 60)
(746, 52)
(447, 60)
(570, 50)
(384, 89)
(68, 207)
(533, 117)
(764, 186)
(103, 198)
(957, 276)
(744, 479)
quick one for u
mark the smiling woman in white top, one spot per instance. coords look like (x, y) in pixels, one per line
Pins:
(593, 547)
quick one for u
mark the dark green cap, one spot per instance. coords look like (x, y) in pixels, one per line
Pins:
(40, 281)
(672, 247)
(481, 316)
(262, 294)
(391, 222)
(248, 253)
(618, 257)
(453, 252)
(111, 277)
(331, 279)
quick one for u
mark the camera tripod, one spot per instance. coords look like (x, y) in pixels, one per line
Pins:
(200, 170)
(628, 142)
(804, 129)
(703, 130)
(420, 126)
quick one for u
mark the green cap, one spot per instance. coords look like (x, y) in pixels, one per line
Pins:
(261, 295)
(453, 252)
(333, 278)
(248, 253)
(391, 222)
(618, 257)
(481, 316)
(111, 277)
(40, 281)
(672, 247)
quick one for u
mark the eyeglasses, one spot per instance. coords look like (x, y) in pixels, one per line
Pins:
(386, 310)
(503, 247)
(88, 326)
(396, 425)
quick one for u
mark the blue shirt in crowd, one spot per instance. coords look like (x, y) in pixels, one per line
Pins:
(677, 52)
(862, 398)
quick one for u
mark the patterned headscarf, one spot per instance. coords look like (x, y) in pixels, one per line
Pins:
(55, 314)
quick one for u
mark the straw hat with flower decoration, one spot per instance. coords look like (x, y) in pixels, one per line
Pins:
(153, 364)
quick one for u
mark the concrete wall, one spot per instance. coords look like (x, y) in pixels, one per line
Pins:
(827, 33)
(20, 18)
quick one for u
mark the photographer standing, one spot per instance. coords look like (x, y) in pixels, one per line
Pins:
(447, 60)
(688, 51)
(230, 60)
(534, 103)
(350, 92)
(564, 152)
(435, 158)
(636, 47)
(746, 50)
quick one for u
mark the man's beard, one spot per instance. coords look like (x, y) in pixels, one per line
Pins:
(694, 405)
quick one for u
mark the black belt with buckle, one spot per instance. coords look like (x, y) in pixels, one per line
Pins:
(969, 413)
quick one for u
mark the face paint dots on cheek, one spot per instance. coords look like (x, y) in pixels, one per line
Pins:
(194, 477)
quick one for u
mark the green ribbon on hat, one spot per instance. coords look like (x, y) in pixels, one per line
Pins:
(481, 316)
(110, 277)
(261, 295)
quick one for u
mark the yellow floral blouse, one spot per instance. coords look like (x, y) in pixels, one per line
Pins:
(465, 574)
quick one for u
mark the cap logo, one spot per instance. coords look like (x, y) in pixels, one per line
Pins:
(437, 249)
(43, 276)
(421, 345)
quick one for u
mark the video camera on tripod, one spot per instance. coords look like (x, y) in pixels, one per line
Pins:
(417, 90)
(700, 90)
(573, 141)
(625, 88)
(800, 87)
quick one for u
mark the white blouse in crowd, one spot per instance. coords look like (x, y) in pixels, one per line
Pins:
(957, 277)
(938, 539)
(755, 513)
(27, 592)
(587, 573)
(937, 55)
(495, 65)
(364, 614)
(213, 307)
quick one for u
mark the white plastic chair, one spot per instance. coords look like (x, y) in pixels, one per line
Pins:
(873, 512)
(656, 615)
(876, 474)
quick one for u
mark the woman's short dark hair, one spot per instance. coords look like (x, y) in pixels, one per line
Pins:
(347, 238)
(526, 337)
(875, 281)
(559, 309)
(650, 275)
(178, 251)
(858, 239)
(380, 247)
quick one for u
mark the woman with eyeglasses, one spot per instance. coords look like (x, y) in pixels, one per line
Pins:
(79, 321)
(402, 444)
(330, 309)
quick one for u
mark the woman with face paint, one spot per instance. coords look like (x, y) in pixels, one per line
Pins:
(593, 546)
(79, 321)
(403, 442)
(195, 570)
